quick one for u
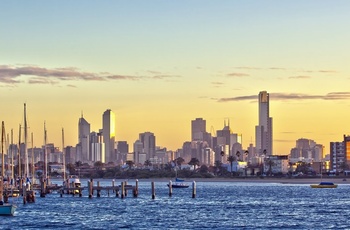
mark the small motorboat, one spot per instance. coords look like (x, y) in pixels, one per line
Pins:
(324, 185)
(7, 209)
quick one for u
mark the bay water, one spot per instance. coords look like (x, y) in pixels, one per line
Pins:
(218, 205)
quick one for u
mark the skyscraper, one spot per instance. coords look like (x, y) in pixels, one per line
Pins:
(83, 142)
(263, 131)
(198, 128)
(149, 144)
(108, 126)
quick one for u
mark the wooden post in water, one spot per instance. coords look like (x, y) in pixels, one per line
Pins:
(113, 189)
(98, 189)
(153, 190)
(90, 183)
(126, 190)
(117, 192)
(193, 189)
(170, 188)
(122, 188)
(24, 193)
(42, 187)
(136, 189)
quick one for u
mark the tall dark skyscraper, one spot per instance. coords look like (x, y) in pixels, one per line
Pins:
(263, 131)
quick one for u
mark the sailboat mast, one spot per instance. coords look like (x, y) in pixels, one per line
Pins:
(26, 167)
(12, 171)
(33, 168)
(45, 151)
(64, 157)
(19, 153)
(2, 151)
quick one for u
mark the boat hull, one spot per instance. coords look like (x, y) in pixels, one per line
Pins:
(179, 185)
(323, 186)
(7, 209)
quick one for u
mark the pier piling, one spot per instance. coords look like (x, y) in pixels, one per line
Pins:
(170, 188)
(153, 190)
(193, 189)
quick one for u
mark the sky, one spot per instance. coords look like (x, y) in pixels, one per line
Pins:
(160, 64)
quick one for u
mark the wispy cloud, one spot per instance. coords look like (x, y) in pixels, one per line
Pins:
(217, 83)
(12, 75)
(237, 75)
(277, 68)
(292, 96)
(248, 68)
(327, 71)
(299, 77)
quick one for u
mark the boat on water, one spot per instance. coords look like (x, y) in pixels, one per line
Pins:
(7, 209)
(73, 182)
(324, 185)
(179, 183)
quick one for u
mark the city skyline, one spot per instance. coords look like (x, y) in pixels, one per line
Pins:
(158, 65)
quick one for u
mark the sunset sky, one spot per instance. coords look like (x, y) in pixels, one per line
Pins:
(160, 64)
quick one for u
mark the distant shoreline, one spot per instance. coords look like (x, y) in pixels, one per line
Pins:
(335, 180)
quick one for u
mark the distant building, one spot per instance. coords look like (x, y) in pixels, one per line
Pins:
(339, 154)
(122, 151)
(263, 131)
(84, 140)
(148, 141)
(307, 150)
(108, 127)
(97, 147)
(198, 129)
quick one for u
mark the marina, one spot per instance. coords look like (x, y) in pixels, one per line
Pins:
(225, 205)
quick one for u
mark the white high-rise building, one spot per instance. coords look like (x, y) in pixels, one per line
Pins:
(108, 127)
(263, 131)
(84, 140)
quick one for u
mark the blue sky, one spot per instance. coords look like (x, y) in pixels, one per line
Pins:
(180, 59)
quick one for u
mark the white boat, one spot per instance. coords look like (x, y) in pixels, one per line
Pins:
(73, 182)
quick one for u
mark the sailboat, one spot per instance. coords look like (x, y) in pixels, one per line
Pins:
(324, 184)
(5, 208)
(179, 183)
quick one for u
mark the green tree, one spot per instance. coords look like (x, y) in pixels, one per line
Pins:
(130, 164)
(147, 163)
(98, 165)
(218, 165)
(270, 163)
(231, 159)
(203, 169)
(71, 168)
(179, 161)
(78, 164)
(238, 154)
(194, 162)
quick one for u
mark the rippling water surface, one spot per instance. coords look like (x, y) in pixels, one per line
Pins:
(218, 205)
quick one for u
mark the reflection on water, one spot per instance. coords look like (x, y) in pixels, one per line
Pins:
(222, 205)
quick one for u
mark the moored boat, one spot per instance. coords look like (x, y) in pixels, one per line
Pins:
(324, 185)
(179, 183)
(7, 209)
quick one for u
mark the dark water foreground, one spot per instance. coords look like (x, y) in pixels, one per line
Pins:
(218, 205)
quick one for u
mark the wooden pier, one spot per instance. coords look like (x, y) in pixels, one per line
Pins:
(119, 190)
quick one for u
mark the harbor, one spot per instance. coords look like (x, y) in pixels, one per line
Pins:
(225, 205)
